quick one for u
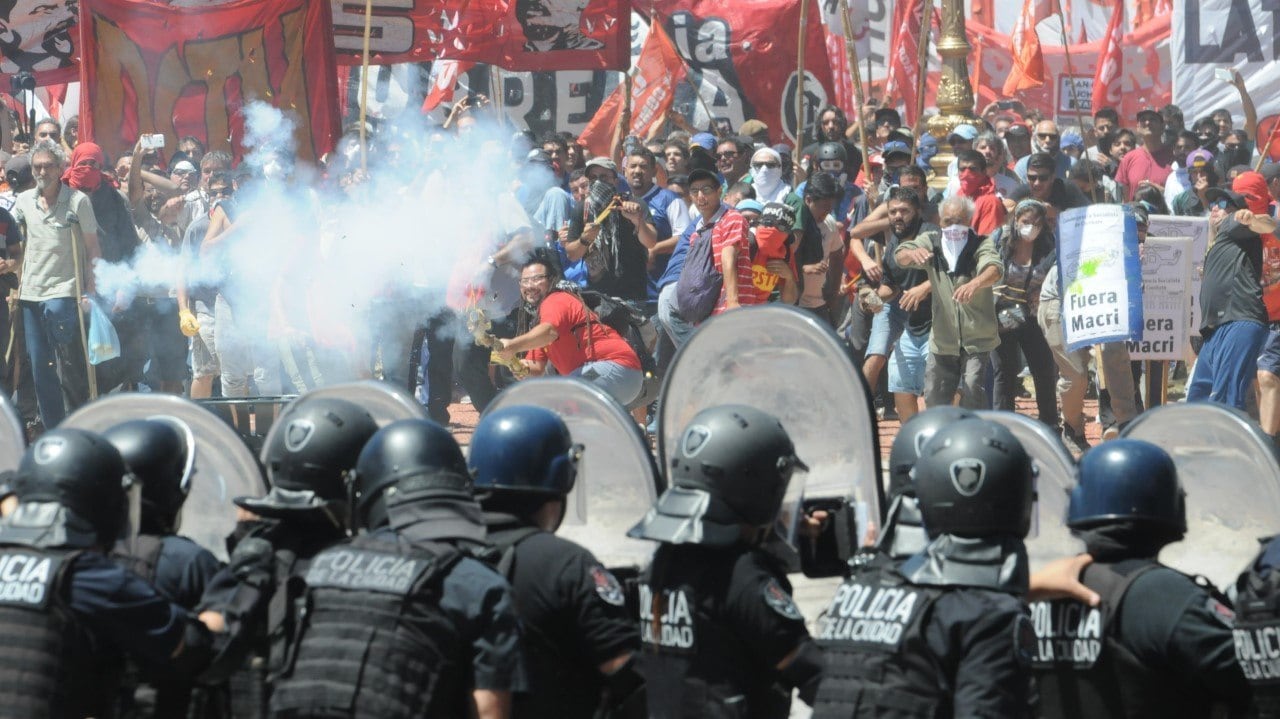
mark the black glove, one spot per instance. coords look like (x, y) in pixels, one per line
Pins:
(253, 562)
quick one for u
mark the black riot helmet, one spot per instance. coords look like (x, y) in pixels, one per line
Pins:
(310, 453)
(912, 437)
(1128, 480)
(526, 450)
(71, 492)
(730, 468)
(158, 452)
(975, 479)
(417, 457)
(830, 153)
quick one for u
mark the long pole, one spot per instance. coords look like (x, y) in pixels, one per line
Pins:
(76, 238)
(364, 84)
(851, 48)
(804, 23)
(922, 79)
(1071, 82)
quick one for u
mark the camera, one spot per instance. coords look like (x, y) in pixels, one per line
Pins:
(22, 81)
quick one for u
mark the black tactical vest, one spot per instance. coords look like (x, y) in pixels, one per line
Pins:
(372, 640)
(693, 662)
(1081, 667)
(1257, 637)
(877, 661)
(49, 665)
(143, 559)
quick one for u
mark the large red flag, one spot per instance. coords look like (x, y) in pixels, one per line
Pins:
(444, 78)
(904, 58)
(1106, 78)
(657, 72)
(1028, 60)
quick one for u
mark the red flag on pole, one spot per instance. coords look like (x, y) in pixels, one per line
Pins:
(1106, 79)
(904, 51)
(1028, 60)
(657, 72)
(444, 79)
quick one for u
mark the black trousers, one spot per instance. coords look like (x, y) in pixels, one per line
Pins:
(1006, 361)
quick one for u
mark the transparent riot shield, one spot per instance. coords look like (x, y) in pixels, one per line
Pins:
(12, 442)
(785, 362)
(1050, 538)
(617, 478)
(220, 466)
(385, 402)
(1231, 475)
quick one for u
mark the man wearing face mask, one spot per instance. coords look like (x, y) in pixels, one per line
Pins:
(962, 267)
(1047, 139)
(852, 207)
(767, 176)
(896, 155)
(1202, 176)
(988, 209)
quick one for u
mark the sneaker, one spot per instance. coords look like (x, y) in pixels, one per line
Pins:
(1075, 443)
(1110, 432)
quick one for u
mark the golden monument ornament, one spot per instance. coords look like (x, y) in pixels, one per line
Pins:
(955, 94)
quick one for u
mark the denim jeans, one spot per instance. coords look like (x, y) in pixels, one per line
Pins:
(1227, 364)
(56, 351)
(669, 319)
(621, 383)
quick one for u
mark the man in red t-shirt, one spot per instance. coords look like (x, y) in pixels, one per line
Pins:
(571, 337)
(1150, 164)
(988, 209)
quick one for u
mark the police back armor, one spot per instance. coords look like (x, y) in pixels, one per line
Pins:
(1082, 668)
(877, 660)
(50, 667)
(1257, 637)
(373, 641)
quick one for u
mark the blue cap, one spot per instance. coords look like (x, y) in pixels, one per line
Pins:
(1071, 139)
(705, 140)
(895, 147)
(966, 132)
(750, 205)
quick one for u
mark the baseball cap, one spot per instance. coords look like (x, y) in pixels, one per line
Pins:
(604, 162)
(752, 205)
(965, 132)
(752, 127)
(183, 167)
(538, 155)
(701, 174)
(901, 134)
(888, 114)
(895, 147)
(778, 214)
(1071, 139)
(1237, 200)
(1199, 158)
(1270, 171)
(705, 140)
(1018, 129)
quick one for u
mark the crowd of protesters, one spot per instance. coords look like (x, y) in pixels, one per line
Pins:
(942, 280)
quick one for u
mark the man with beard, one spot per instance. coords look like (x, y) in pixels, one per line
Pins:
(1151, 163)
(667, 211)
(570, 336)
(55, 216)
(614, 234)
(832, 125)
(1047, 139)
(906, 296)
(1178, 181)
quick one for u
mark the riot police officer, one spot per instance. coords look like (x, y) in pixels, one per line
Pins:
(947, 633)
(67, 612)
(157, 453)
(720, 634)
(904, 534)
(1160, 643)
(579, 637)
(306, 510)
(1257, 624)
(401, 621)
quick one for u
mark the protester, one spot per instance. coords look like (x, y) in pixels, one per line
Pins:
(1202, 175)
(975, 183)
(1149, 164)
(1047, 140)
(819, 253)
(733, 159)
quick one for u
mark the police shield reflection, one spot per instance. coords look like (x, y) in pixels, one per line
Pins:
(11, 438)
(617, 479)
(1231, 476)
(221, 467)
(1050, 538)
(733, 359)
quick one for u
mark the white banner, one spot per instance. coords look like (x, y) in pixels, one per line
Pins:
(1208, 35)
(1197, 228)
(1101, 276)
(1166, 299)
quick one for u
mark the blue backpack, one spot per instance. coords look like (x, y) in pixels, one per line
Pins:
(698, 289)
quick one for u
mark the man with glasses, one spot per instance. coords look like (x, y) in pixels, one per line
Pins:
(1047, 140)
(733, 159)
(54, 216)
(1042, 185)
(1149, 164)
(197, 200)
(769, 177)
(197, 295)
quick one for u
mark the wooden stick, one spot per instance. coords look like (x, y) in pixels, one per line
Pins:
(804, 23)
(922, 79)
(1071, 77)
(76, 238)
(364, 84)
(851, 48)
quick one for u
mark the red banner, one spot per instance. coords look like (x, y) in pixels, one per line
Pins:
(1106, 79)
(1028, 60)
(657, 73)
(904, 57)
(519, 35)
(742, 58)
(148, 67)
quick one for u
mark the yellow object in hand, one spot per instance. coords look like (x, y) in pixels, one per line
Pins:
(188, 324)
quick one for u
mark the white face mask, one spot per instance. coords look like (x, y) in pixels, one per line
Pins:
(1028, 232)
(955, 233)
(954, 238)
(768, 178)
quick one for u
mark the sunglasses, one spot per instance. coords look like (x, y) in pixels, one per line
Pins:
(727, 155)
(762, 165)
(1033, 179)
(1047, 135)
(1222, 205)
(224, 192)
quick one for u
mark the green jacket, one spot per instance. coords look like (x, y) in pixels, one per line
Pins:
(977, 330)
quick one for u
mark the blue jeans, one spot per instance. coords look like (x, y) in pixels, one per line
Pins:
(621, 383)
(56, 351)
(669, 318)
(1227, 364)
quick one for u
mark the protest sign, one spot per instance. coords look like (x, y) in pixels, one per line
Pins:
(1166, 299)
(1197, 228)
(1100, 274)
(181, 71)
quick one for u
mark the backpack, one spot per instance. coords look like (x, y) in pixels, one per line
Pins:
(624, 317)
(698, 289)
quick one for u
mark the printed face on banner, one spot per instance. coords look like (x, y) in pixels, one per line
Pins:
(37, 35)
(554, 25)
